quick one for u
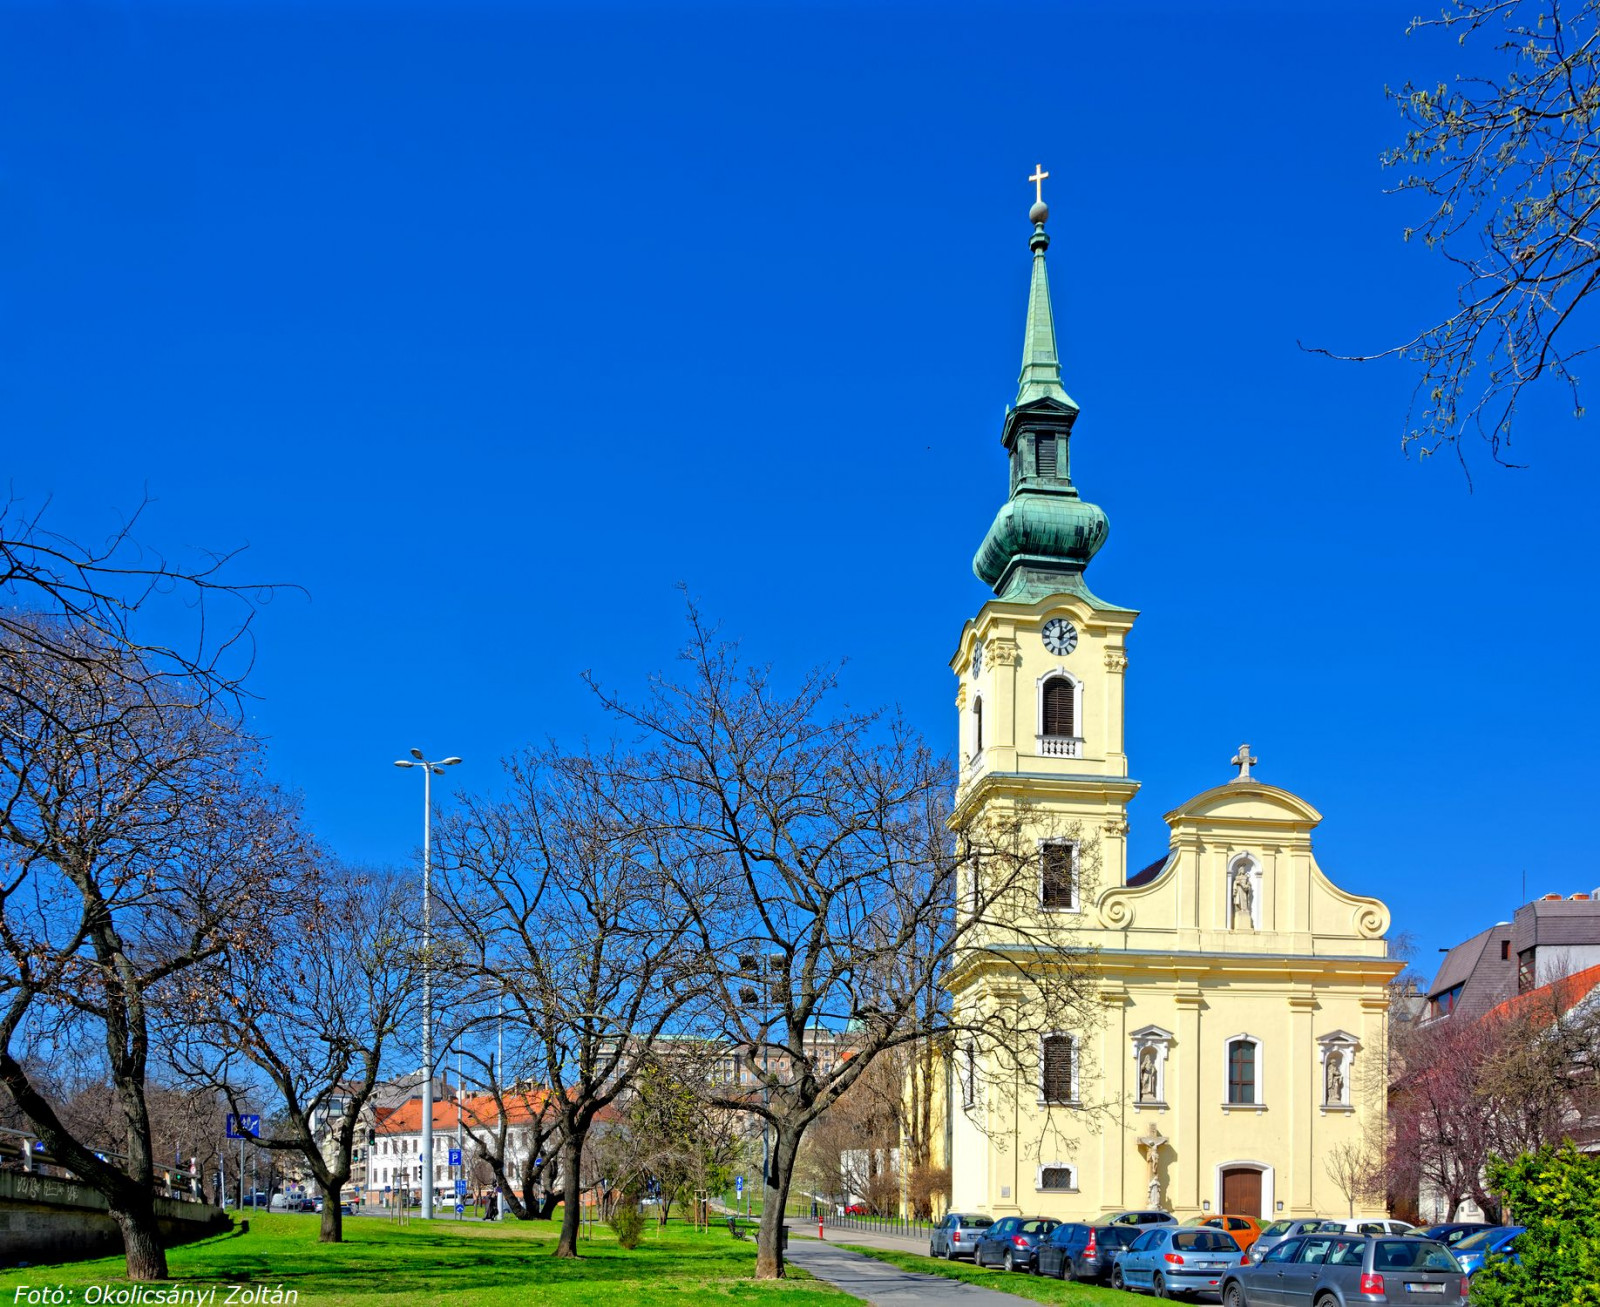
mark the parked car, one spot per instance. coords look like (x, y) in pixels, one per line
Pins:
(1012, 1241)
(1244, 1229)
(1370, 1225)
(957, 1234)
(1174, 1259)
(1341, 1267)
(1453, 1232)
(1473, 1251)
(1145, 1217)
(855, 1209)
(1278, 1231)
(1076, 1251)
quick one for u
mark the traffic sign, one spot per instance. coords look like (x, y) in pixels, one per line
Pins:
(455, 1157)
(459, 1209)
(243, 1126)
(461, 1188)
(738, 1185)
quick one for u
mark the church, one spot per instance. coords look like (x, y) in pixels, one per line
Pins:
(1238, 1033)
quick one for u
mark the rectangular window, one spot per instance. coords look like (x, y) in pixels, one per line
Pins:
(1505, 950)
(1059, 875)
(1046, 447)
(1058, 1070)
(969, 1077)
(1241, 1071)
(1526, 972)
(1057, 1178)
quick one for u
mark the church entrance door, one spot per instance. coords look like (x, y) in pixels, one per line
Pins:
(1241, 1191)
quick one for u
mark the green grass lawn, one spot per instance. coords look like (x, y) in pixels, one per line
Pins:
(474, 1262)
(1038, 1288)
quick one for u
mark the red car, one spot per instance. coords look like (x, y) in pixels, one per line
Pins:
(856, 1209)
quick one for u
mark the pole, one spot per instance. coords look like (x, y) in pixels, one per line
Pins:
(459, 1149)
(241, 1171)
(427, 994)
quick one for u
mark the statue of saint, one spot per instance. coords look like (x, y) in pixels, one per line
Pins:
(1243, 892)
(1335, 1078)
(1147, 1076)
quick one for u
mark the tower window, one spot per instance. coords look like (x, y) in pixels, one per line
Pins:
(1058, 705)
(1045, 455)
(977, 722)
(1059, 1073)
(1058, 875)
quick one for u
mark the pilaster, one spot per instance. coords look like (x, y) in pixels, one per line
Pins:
(1184, 1182)
(1299, 1184)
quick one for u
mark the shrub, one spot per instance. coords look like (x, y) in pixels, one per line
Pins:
(628, 1222)
(1555, 1193)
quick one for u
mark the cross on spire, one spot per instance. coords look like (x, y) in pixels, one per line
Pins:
(1039, 174)
(1243, 761)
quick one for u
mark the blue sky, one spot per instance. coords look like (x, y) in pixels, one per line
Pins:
(490, 324)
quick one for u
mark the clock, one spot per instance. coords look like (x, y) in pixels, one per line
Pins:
(1060, 636)
(977, 659)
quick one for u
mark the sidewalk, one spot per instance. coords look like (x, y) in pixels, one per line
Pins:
(878, 1282)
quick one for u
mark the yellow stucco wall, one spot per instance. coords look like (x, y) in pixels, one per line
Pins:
(1298, 965)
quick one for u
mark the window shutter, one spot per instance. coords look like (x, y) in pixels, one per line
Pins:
(1057, 1069)
(1058, 707)
(1045, 451)
(1057, 889)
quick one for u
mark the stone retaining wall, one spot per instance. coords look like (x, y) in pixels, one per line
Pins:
(44, 1220)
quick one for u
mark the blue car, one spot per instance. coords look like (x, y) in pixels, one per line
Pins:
(1476, 1249)
(1174, 1259)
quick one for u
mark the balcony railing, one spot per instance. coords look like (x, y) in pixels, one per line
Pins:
(1061, 746)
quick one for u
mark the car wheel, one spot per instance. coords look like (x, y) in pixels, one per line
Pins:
(1158, 1286)
(1008, 1261)
(1234, 1297)
(950, 1253)
(1116, 1278)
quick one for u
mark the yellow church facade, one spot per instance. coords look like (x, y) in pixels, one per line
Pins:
(1235, 1032)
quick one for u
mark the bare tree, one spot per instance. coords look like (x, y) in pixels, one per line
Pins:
(834, 902)
(564, 906)
(136, 844)
(1507, 160)
(319, 1023)
(1356, 1169)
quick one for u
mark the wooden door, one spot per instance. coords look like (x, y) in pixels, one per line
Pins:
(1241, 1191)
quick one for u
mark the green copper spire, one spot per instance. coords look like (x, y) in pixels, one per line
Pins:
(1044, 534)
(1041, 368)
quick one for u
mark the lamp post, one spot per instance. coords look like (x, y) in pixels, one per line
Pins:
(429, 771)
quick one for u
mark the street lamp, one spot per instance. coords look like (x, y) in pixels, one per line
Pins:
(429, 771)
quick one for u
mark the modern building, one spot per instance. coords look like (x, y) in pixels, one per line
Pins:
(1551, 937)
(1239, 994)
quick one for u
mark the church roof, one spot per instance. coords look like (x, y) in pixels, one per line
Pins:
(1147, 874)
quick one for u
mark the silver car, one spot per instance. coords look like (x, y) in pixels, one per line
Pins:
(957, 1235)
(1278, 1231)
(1341, 1270)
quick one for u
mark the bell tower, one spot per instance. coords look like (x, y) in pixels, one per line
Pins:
(1041, 667)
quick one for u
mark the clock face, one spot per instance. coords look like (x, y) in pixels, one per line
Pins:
(977, 659)
(1060, 636)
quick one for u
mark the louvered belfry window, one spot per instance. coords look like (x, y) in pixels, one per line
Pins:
(1058, 887)
(1058, 707)
(1045, 447)
(1058, 1053)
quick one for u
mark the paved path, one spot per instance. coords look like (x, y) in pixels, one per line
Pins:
(882, 1284)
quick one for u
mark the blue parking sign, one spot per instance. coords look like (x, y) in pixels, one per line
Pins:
(455, 1157)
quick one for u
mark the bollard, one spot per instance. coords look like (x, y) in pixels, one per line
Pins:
(820, 1235)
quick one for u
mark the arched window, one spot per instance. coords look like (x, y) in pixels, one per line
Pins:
(977, 724)
(1058, 708)
(1244, 1071)
(1058, 1070)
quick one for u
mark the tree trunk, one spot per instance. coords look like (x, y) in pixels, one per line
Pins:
(332, 1214)
(769, 1256)
(141, 1238)
(571, 1155)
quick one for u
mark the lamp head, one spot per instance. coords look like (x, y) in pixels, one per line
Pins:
(417, 754)
(450, 762)
(401, 762)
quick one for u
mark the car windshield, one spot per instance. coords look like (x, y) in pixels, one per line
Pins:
(1203, 1241)
(1481, 1240)
(1276, 1228)
(1412, 1255)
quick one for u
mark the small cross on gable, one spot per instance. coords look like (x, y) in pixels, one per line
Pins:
(1039, 174)
(1243, 761)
